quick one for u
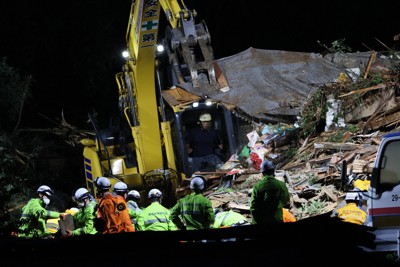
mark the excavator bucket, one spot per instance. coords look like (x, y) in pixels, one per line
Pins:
(205, 86)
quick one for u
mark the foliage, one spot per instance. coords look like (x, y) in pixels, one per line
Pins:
(26, 157)
(313, 112)
(15, 89)
(312, 208)
(337, 46)
(290, 153)
(224, 190)
(14, 174)
(337, 136)
(312, 179)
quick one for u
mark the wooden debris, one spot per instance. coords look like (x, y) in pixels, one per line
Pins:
(375, 87)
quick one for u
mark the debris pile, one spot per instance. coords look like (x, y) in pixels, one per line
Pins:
(342, 122)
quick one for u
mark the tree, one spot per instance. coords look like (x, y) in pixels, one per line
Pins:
(14, 91)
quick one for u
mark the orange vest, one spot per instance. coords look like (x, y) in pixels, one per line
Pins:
(113, 210)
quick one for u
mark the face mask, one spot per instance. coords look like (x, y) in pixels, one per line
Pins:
(80, 204)
(46, 200)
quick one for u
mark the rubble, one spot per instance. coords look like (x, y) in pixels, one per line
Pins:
(311, 167)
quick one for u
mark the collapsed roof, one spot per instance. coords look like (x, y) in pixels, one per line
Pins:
(273, 85)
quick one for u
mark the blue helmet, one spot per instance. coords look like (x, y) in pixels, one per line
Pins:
(266, 166)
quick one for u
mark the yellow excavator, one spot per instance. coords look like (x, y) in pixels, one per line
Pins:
(144, 147)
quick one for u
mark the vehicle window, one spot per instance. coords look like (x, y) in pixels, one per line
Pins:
(390, 171)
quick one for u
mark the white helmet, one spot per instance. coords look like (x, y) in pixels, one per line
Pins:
(134, 194)
(81, 194)
(197, 183)
(154, 193)
(352, 196)
(102, 183)
(205, 117)
(45, 190)
(120, 187)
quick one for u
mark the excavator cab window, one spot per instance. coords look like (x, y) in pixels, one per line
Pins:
(188, 120)
(118, 138)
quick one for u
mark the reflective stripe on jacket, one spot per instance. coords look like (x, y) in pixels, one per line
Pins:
(134, 211)
(155, 218)
(84, 220)
(229, 219)
(195, 210)
(33, 219)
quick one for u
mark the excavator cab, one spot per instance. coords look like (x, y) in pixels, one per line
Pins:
(186, 120)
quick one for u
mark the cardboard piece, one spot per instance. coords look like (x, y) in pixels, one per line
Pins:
(66, 224)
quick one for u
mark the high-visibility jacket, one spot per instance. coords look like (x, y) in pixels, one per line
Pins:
(113, 212)
(155, 217)
(33, 219)
(193, 211)
(352, 213)
(84, 220)
(268, 197)
(229, 219)
(134, 211)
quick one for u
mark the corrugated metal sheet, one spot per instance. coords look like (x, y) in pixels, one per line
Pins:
(273, 85)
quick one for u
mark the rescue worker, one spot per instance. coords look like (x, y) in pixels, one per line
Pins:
(112, 214)
(194, 211)
(229, 218)
(133, 199)
(204, 145)
(362, 202)
(84, 218)
(103, 186)
(121, 189)
(268, 197)
(34, 215)
(351, 212)
(155, 217)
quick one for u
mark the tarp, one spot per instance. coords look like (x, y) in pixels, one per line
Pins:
(273, 85)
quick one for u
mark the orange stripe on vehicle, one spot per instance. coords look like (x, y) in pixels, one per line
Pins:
(384, 211)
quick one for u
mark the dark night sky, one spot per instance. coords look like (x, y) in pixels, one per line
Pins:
(73, 48)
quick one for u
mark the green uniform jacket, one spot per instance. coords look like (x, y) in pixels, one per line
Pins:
(84, 220)
(134, 211)
(155, 218)
(33, 219)
(268, 198)
(194, 212)
(229, 218)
